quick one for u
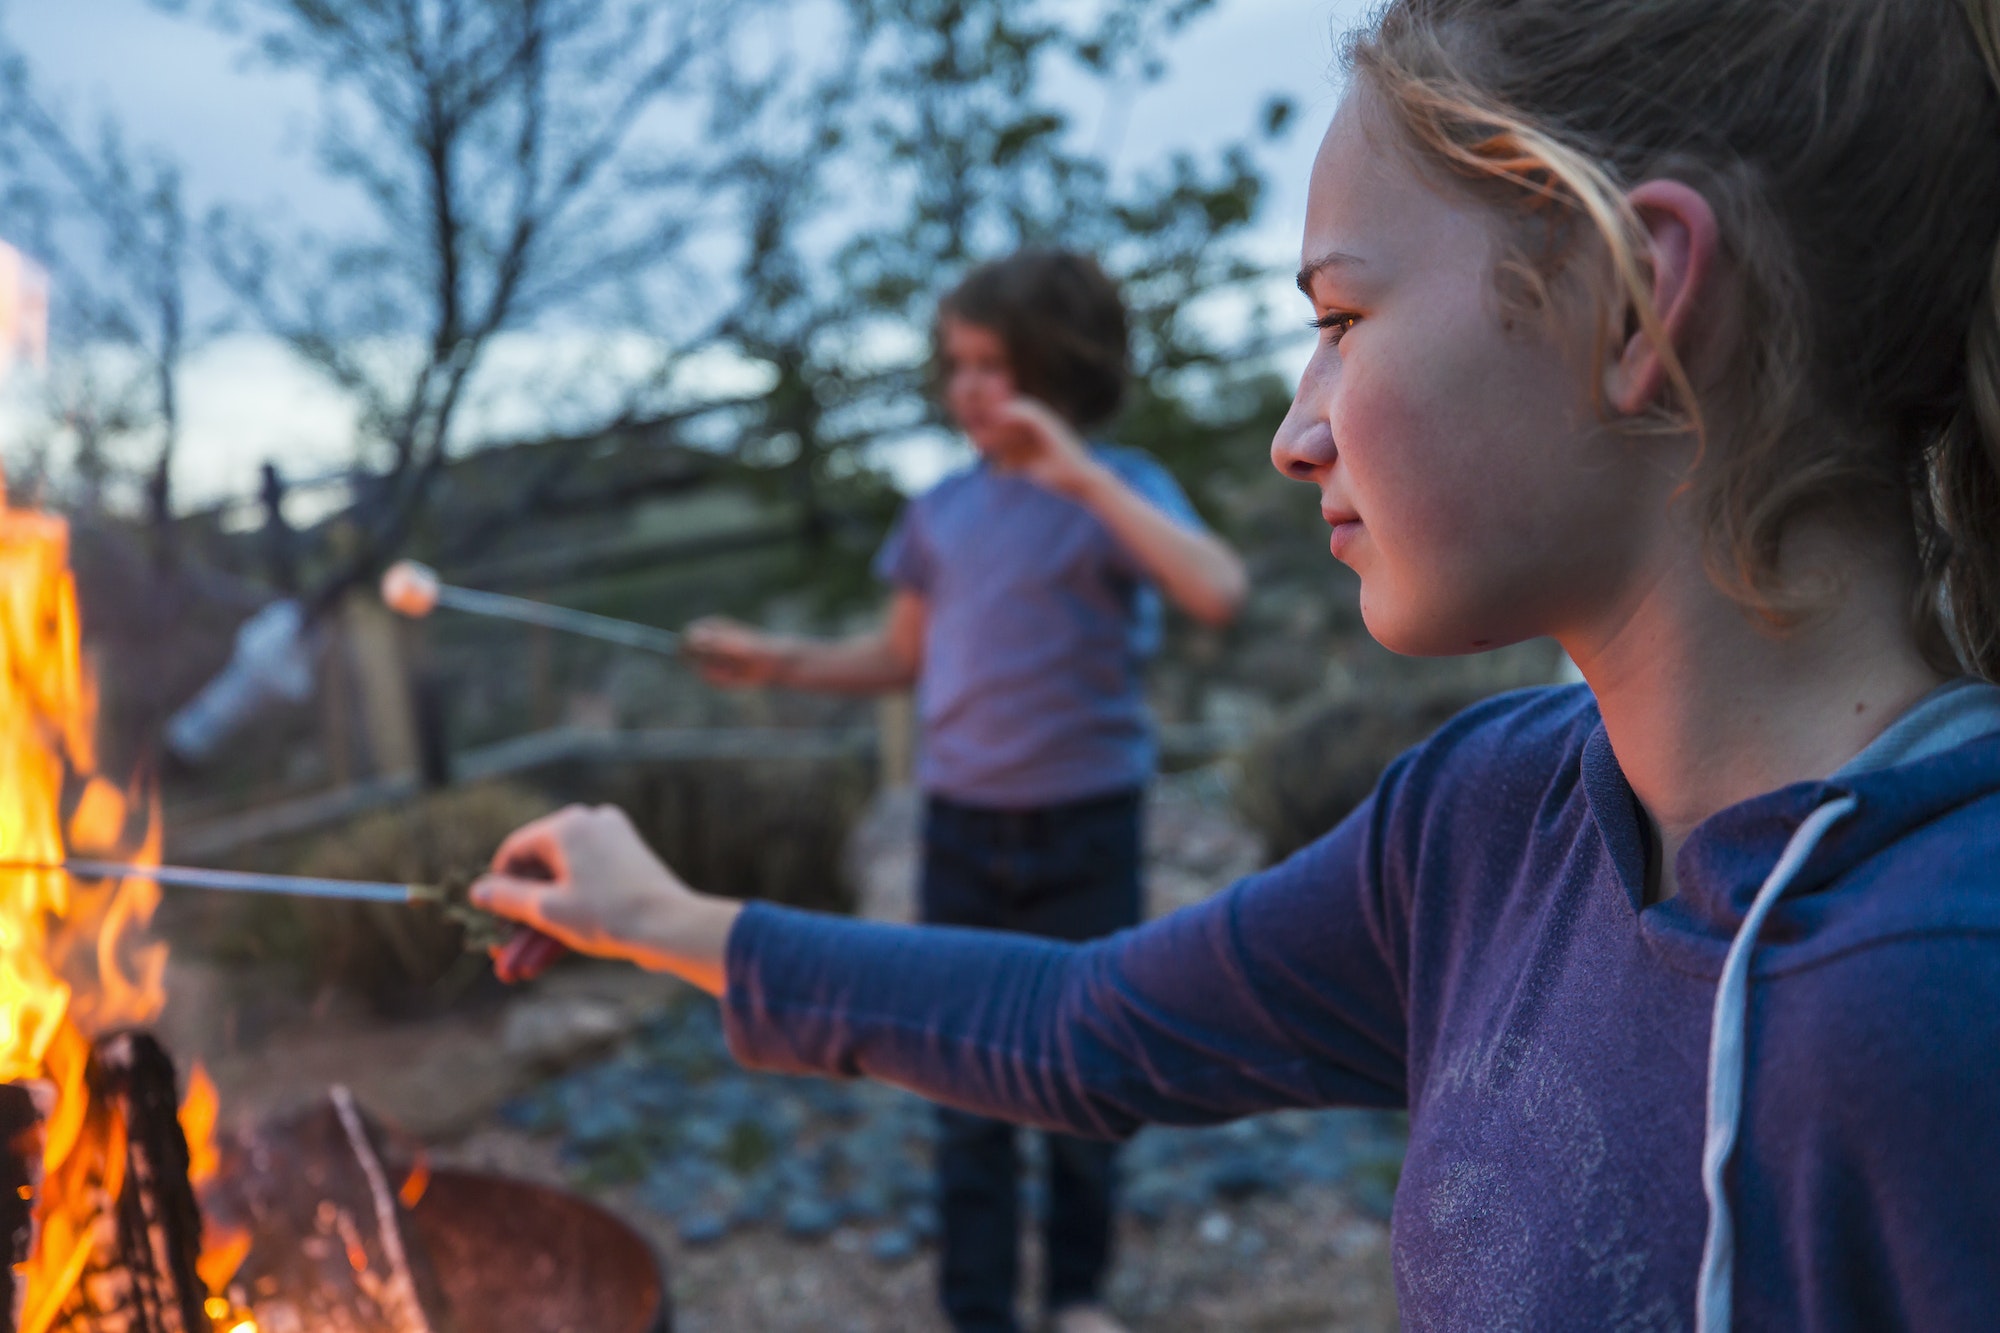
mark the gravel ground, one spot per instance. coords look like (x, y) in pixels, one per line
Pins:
(1308, 1261)
(779, 1198)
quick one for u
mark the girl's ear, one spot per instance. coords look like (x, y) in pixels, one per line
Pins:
(1681, 239)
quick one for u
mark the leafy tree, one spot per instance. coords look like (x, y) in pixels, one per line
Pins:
(938, 139)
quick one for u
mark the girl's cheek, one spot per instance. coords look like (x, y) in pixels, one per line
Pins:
(1397, 453)
(1360, 407)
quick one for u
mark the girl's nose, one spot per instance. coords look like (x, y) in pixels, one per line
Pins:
(1302, 450)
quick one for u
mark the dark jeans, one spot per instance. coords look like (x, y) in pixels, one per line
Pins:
(1070, 872)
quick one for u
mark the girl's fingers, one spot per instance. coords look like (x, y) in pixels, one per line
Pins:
(523, 900)
(539, 844)
(530, 951)
(518, 897)
(526, 956)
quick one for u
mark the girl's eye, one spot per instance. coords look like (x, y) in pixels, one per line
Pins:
(1335, 325)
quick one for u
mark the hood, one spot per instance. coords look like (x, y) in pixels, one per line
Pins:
(1904, 841)
(1919, 852)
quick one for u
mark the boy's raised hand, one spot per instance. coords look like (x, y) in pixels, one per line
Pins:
(734, 655)
(1038, 444)
(1196, 571)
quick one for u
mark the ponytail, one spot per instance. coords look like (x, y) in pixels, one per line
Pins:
(1967, 476)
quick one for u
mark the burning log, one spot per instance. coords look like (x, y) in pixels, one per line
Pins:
(140, 1274)
(327, 1194)
(24, 1111)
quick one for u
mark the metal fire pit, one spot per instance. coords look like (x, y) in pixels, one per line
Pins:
(521, 1258)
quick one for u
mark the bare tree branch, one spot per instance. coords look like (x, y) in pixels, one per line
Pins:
(113, 228)
(494, 142)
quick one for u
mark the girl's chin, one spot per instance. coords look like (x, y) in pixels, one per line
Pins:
(1412, 625)
(1409, 632)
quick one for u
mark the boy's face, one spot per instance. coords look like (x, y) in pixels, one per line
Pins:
(1454, 441)
(978, 381)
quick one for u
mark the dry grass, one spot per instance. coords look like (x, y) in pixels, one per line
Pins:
(769, 829)
(384, 951)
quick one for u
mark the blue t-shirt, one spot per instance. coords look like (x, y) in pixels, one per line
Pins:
(1474, 943)
(1039, 622)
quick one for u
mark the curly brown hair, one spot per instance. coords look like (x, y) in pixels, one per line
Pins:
(1063, 323)
(1851, 151)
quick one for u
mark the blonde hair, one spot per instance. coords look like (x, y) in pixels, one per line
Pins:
(1851, 151)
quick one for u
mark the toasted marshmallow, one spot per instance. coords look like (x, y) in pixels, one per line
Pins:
(410, 589)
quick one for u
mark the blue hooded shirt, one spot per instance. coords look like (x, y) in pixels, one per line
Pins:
(1473, 944)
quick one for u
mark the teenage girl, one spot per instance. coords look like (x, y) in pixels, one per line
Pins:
(1669, 328)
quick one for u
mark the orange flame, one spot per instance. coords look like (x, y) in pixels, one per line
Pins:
(74, 961)
(223, 1250)
(199, 1111)
(415, 1184)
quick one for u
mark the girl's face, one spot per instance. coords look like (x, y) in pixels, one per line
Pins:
(1455, 444)
(978, 381)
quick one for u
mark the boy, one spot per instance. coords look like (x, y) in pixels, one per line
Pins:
(1023, 609)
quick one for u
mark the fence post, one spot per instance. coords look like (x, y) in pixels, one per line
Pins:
(896, 740)
(381, 671)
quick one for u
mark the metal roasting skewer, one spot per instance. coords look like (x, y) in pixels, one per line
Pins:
(483, 930)
(524, 951)
(414, 590)
(241, 881)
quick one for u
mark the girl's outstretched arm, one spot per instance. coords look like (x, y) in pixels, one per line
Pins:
(1287, 990)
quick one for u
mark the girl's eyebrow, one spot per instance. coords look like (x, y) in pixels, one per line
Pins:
(1331, 259)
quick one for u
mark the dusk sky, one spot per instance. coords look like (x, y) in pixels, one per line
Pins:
(244, 134)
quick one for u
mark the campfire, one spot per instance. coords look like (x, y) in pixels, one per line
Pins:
(104, 1226)
(127, 1210)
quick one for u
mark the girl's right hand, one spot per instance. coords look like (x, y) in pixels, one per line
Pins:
(584, 877)
(734, 655)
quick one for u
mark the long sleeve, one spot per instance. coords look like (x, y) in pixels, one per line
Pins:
(1286, 990)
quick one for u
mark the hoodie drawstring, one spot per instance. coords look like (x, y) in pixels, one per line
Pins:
(1725, 1069)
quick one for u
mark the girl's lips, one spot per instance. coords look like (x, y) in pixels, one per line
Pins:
(1345, 530)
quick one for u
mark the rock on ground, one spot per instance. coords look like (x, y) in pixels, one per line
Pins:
(783, 1198)
(1309, 1263)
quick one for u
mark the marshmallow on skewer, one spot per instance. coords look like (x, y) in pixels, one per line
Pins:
(414, 590)
(410, 589)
